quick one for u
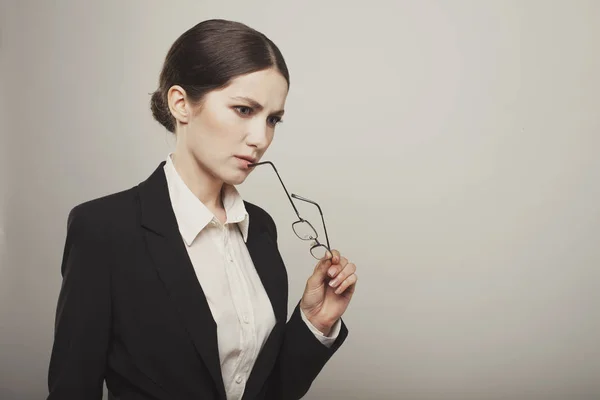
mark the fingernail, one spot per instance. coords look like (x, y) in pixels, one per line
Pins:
(333, 283)
(331, 271)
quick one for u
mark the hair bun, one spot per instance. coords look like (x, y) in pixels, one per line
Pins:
(161, 112)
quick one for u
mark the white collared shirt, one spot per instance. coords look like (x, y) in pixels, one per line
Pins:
(237, 299)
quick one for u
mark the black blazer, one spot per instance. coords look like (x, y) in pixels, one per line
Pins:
(132, 312)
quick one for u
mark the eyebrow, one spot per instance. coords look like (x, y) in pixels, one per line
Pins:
(256, 104)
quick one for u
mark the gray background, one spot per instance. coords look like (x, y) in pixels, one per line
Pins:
(453, 146)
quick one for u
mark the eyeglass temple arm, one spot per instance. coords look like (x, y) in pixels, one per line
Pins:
(280, 180)
(320, 212)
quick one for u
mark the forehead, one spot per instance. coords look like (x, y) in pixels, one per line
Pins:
(268, 87)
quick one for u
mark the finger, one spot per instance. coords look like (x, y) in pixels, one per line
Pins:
(348, 285)
(343, 262)
(345, 273)
(336, 268)
(320, 272)
(338, 264)
(335, 256)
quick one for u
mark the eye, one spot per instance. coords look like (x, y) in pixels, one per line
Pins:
(274, 120)
(246, 111)
(243, 110)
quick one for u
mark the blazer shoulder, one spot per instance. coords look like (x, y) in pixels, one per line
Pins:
(97, 225)
(106, 210)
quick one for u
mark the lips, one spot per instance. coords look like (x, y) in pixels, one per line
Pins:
(247, 158)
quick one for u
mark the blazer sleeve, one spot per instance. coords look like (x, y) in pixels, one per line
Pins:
(82, 324)
(301, 356)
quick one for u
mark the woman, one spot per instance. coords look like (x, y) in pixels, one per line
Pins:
(175, 288)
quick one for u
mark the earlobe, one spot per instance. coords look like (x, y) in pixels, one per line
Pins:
(178, 104)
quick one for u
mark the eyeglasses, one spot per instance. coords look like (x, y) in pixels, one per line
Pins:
(302, 228)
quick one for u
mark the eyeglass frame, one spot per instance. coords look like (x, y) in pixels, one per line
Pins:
(300, 219)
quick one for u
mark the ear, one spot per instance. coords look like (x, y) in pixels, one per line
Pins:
(178, 104)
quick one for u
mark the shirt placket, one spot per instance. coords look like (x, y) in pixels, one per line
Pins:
(243, 309)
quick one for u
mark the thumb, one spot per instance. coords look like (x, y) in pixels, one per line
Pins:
(320, 273)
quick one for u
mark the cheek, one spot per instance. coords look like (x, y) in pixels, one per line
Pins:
(211, 122)
(215, 129)
(224, 121)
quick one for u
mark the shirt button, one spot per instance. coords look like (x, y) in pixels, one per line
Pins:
(239, 379)
(246, 319)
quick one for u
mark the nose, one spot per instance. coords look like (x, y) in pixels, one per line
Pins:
(258, 135)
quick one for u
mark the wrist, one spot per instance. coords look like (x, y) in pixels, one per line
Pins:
(325, 327)
(326, 331)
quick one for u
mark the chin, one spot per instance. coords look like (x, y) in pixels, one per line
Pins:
(234, 182)
(235, 179)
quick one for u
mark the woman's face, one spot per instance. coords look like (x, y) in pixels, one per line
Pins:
(233, 126)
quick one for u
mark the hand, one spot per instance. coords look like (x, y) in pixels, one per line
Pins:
(324, 300)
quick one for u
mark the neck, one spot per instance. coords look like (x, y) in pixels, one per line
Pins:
(203, 185)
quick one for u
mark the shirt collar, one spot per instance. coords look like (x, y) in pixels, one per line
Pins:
(193, 216)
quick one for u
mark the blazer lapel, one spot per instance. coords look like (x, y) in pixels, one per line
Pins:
(268, 264)
(175, 269)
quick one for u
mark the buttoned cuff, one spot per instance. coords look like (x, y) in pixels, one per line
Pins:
(326, 340)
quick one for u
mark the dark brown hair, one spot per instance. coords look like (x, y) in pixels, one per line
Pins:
(207, 57)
